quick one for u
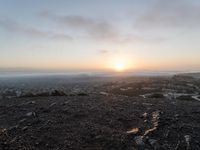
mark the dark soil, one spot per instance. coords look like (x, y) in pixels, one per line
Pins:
(98, 122)
(101, 115)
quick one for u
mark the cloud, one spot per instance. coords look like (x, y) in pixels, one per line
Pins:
(170, 14)
(14, 27)
(96, 29)
(102, 51)
(60, 36)
(73, 21)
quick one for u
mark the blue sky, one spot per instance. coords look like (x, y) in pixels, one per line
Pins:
(97, 34)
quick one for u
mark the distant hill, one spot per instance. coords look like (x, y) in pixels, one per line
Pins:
(194, 75)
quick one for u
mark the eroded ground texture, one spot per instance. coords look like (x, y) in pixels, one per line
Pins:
(125, 114)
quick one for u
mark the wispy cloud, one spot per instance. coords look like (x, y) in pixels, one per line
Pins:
(181, 14)
(98, 29)
(103, 51)
(15, 27)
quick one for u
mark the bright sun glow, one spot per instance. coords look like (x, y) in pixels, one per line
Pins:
(120, 63)
(119, 67)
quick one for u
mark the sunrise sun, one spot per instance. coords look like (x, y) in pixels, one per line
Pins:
(119, 63)
(119, 67)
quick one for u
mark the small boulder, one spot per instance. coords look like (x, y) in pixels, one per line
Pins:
(156, 95)
(24, 128)
(58, 93)
(154, 143)
(144, 115)
(22, 120)
(104, 93)
(31, 114)
(187, 140)
(133, 131)
(139, 140)
(82, 94)
(43, 94)
(31, 102)
(13, 128)
(53, 104)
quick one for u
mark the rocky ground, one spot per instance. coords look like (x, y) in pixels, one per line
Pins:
(100, 120)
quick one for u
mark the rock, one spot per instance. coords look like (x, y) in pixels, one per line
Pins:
(43, 94)
(13, 140)
(144, 115)
(4, 130)
(139, 140)
(18, 93)
(30, 114)
(176, 115)
(58, 93)
(166, 133)
(147, 104)
(65, 103)
(82, 94)
(13, 127)
(66, 111)
(187, 140)
(104, 93)
(28, 94)
(133, 131)
(185, 98)
(31, 102)
(45, 110)
(24, 128)
(156, 95)
(149, 131)
(27, 103)
(154, 143)
(22, 120)
(53, 104)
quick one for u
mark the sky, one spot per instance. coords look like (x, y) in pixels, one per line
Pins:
(100, 35)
